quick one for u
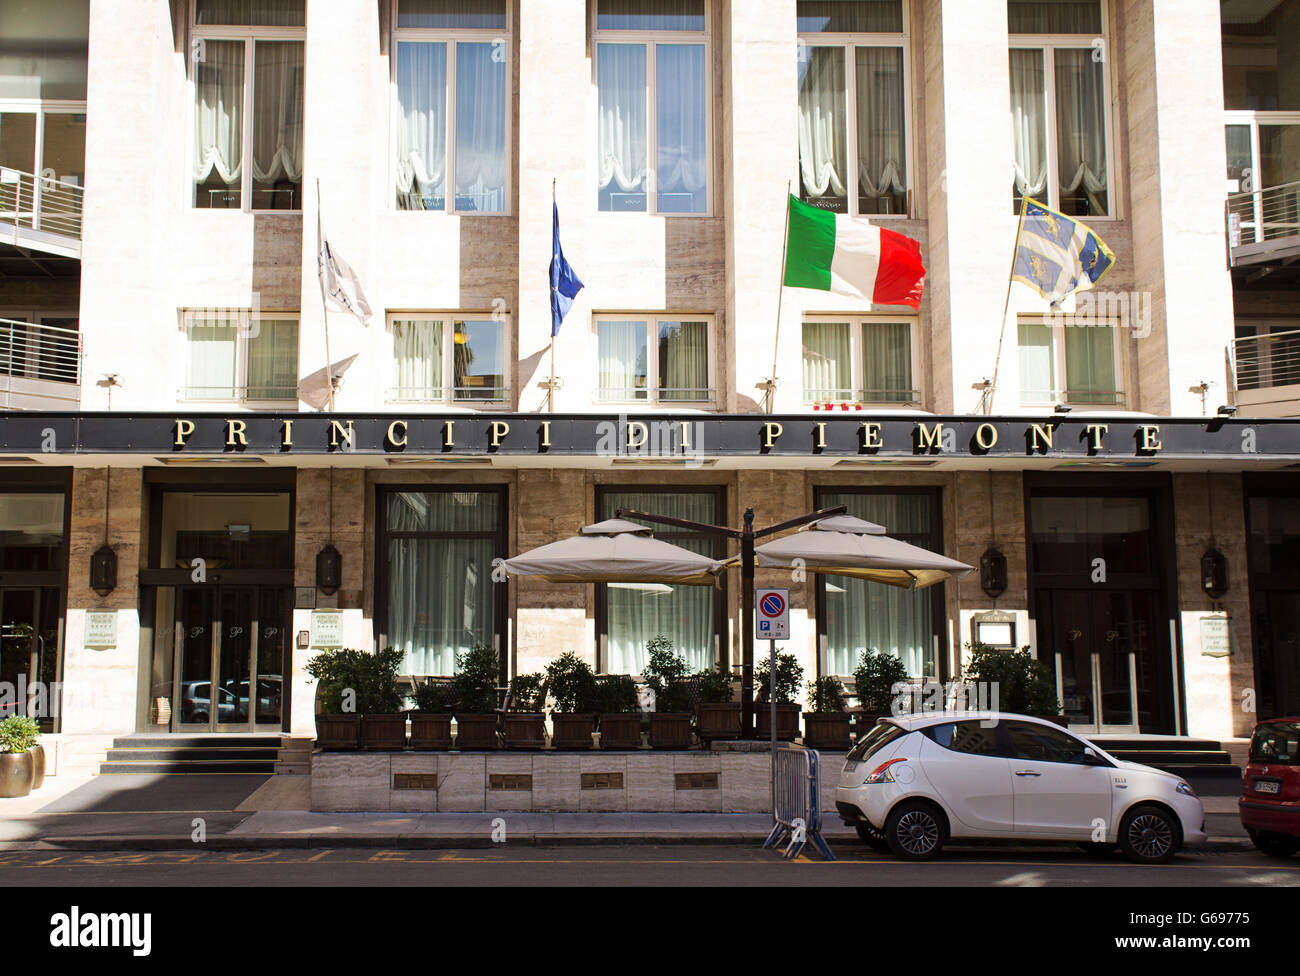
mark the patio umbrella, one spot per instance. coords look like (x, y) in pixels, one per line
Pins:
(846, 546)
(614, 551)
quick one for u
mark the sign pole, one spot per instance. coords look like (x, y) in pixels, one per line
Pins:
(771, 695)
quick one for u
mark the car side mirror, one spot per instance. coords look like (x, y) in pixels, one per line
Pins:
(1090, 757)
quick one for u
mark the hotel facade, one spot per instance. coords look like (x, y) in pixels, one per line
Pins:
(175, 475)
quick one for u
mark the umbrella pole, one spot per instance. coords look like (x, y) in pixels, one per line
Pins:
(747, 625)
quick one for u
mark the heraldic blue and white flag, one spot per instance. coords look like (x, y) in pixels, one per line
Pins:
(1057, 255)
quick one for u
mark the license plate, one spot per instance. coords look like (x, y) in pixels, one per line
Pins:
(1262, 787)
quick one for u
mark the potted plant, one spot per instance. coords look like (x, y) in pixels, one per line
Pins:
(383, 723)
(572, 686)
(17, 763)
(789, 676)
(668, 678)
(874, 679)
(523, 725)
(827, 725)
(1024, 685)
(431, 717)
(716, 715)
(348, 681)
(620, 711)
(474, 688)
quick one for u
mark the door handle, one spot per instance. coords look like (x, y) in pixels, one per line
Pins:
(1027, 772)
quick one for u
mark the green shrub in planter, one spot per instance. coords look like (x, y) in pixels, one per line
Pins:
(572, 685)
(713, 687)
(475, 682)
(616, 694)
(18, 733)
(526, 692)
(826, 695)
(1024, 685)
(874, 679)
(789, 676)
(434, 697)
(370, 678)
(667, 675)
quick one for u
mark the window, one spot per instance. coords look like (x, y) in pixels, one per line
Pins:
(238, 355)
(1259, 56)
(630, 614)
(1074, 364)
(246, 60)
(1038, 742)
(652, 74)
(653, 360)
(1059, 105)
(853, 105)
(451, 84)
(859, 360)
(968, 737)
(436, 553)
(443, 358)
(43, 49)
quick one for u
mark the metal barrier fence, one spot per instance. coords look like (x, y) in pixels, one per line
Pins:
(796, 801)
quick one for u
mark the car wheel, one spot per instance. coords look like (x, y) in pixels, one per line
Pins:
(1093, 849)
(870, 836)
(916, 831)
(1149, 835)
(1275, 845)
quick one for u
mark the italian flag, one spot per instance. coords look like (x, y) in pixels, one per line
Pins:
(848, 256)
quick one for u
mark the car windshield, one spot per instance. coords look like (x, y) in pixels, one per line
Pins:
(1277, 742)
(874, 741)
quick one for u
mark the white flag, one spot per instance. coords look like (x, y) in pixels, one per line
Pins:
(338, 279)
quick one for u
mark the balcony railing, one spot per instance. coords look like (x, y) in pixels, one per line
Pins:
(1267, 361)
(40, 203)
(40, 365)
(1259, 218)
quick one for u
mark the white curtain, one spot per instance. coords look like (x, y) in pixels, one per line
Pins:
(277, 112)
(621, 78)
(823, 167)
(212, 356)
(886, 362)
(1081, 126)
(681, 128)
(1037, 363)
(1090, 364)
(422, 126)
(273, 360)
(219, 112)
(480, 128)
(882, 146)
(683, 361)
(827, 363)
(1029, 122)
(621, 351)
(417, 359)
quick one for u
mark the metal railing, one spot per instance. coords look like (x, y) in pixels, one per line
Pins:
(796, 801)
(1263, 215)
(1266, 361)
(40, 203)
(42, 353)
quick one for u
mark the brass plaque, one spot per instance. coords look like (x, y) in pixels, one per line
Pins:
(415, 781)
(510, 781)
(696, 781)
(602, 781)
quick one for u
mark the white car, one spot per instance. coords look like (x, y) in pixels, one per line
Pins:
(916, 781)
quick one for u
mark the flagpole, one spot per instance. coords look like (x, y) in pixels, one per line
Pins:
(320, 243)
(780, 295)
(987, 398)
(550, 388)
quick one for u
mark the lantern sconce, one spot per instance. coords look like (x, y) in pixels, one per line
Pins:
(1214, 573)
(103, 570)
(993, 573)
(329, 570)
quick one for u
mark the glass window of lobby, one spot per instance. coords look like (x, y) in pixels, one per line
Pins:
(451, 72)
(246, 67)
(1059, 105)
(652, 69)
(853, 105)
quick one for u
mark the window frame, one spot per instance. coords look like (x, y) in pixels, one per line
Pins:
(846, 42)
(451, 37)
(1060, 391)
(651, 321)
(243, 335)
(249, 35)
(449, 319)
(857, 323)
(650, 39)
(1047, 44)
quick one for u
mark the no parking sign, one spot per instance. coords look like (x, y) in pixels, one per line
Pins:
(773, 607)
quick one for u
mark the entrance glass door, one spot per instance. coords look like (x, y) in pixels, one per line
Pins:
(29, 652)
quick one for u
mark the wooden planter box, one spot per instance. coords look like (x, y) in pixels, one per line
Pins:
(826, 730)
(717, 720)
(384, 733)
(430, 730)
(16, 772)
(338, 732)
(524, 730)
(670, 730)
(570, 730)
(787, 721)
(620, 730)
(476, 731)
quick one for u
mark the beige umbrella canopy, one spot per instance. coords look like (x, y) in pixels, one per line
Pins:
(614, 551)
(846, 546)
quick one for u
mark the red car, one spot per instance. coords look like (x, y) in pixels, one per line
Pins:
(1270, 790)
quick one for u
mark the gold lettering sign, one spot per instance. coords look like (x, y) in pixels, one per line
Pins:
(395, 437)
(235, 433)
(686, 435)
(499, 430)
(1095, 432)
(1041, 432)
(448, 433)
(871, 439)
(1150, 435)
(930, 440)
(636, 427)
(287, 434)
(986, 436)
(546, 433)
(336, 429)
(821, 435)
(183, 430)
(771, 431)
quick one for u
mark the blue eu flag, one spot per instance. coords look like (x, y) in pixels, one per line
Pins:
(564, 283)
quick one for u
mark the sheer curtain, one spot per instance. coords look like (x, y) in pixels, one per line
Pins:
(1054, 16)
(634, 613)
(452, 14)
(621, 350)
(827, 362)
(863, 616)
(254, 13)
(681, 15)
(417, 359)
(1037, 363)
(621, 78)
(277, 123)
(273, 360)
(853, 17)
(1029, 123)
(683, 361)
(212, 356)
(1090, 364)
(882, 146)
(219, 113)
(886, 362)
(681, 114)
(422, 126)
(480, 129)
(1081, 131)
(823, 166)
